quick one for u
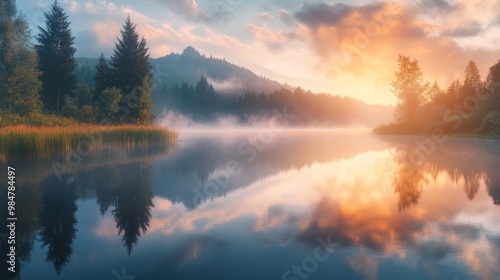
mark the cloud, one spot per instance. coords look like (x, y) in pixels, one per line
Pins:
(281, 15)
(274, 40)
(359, 45)
(102, 31)
(439, 5)
(187, 8)
(464, 29)
(322, 14)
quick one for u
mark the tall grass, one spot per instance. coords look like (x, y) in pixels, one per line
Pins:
(24, 142)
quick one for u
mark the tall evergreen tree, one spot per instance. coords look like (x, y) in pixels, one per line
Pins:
(472, 81)
(19, 76)
(130, 68)
(102, 78)
(57, 62)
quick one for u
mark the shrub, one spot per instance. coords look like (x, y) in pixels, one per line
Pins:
(490, 124)
(36, 120)
(69, 110)
(87, 114)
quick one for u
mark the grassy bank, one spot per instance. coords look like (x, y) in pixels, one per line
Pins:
(23, 142)
(37, 120)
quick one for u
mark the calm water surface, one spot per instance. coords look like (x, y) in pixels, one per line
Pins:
(253, 205)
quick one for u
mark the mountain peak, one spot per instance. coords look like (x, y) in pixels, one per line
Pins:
(191, 52)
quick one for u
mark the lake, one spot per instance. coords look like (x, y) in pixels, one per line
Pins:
(264, 204)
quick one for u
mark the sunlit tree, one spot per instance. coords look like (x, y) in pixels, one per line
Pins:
(409, 88)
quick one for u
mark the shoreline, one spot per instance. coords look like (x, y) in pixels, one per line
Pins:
(30, 142)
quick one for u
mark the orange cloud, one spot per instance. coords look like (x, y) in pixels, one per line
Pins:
(360, 44)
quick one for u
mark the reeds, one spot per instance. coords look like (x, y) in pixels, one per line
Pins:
(25, 142)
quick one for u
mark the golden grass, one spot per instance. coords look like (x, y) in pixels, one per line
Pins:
(37, 142)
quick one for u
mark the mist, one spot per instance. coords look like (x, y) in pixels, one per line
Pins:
(183, 122)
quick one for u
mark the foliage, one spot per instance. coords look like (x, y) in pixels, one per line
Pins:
(19, 77)
(69, 110)
(57, 62)
(36, 120)
(493, 84)
(490, 124)
(108, 104)
(130, 70)
(83, 95)
(472, 82)
(129, 61)
(466, 107)
(102, 77)
(87, 114)
(409, 88)
(144, 105)
(80, 107)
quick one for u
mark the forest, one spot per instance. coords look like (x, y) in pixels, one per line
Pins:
(203, 103)
(466, 107)
(40, 86)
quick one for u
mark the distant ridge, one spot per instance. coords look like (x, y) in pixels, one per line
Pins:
(189, 66)
(226, 77)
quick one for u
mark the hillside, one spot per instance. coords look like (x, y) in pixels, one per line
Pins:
(224, 76)
(189, 66)
(226, 89)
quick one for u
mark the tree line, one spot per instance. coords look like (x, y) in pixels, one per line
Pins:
(203, 103)
(41, 79)
(471, 105)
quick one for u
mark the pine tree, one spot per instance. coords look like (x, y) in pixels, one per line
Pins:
(102, 78)
(57, 62)
(130, 68)
(19, 76)
(472, 82)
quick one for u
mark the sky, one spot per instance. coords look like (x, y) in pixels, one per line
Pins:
(338, 47)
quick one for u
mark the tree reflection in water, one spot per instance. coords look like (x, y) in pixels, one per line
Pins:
(57, 220)
(469, 163)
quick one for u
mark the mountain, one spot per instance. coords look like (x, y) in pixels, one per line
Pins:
(189, 66)
(224, 76)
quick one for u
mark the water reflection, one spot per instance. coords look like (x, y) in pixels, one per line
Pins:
(133, 203)
(469, 162)
(57, 219)
(201, 159)
(408, 179)
(47, 207)
(392, 219)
